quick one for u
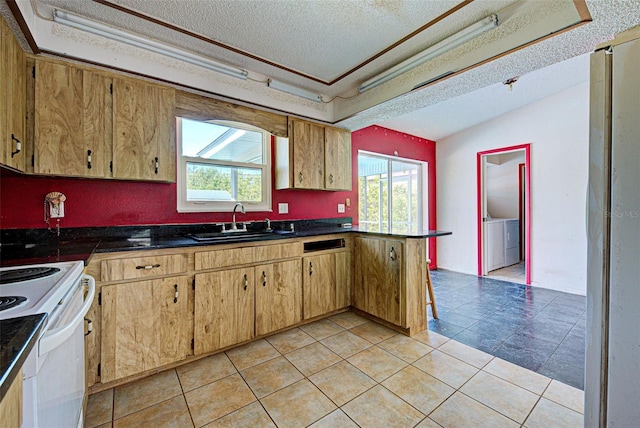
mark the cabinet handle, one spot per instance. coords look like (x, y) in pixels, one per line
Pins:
(392, 254)
(246, 281)
(18, 145)
(157, 165)
(310, 268)
(89, 159)
(300, 176)
(147, 267)
(331, 178)
(175, 295)
(264, 279)
(89, 326)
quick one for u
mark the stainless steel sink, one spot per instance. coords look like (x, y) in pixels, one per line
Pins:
(235, 236)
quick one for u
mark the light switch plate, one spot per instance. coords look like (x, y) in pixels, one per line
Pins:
(340, 208)
(283, 208)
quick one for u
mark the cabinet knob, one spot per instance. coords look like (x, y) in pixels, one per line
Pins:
(147, 267)
(157, 165)
(89, 159)
(300, 176)
(89, 326)
(18, 145)
(175, 295)
(264, 279)
(331, 178)
(310, 268)
(246, 281)
(392, 254)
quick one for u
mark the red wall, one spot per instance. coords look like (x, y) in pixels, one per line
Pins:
(118, 203)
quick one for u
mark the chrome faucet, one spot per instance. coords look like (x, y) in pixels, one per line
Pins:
(268, 229)
(234, 226)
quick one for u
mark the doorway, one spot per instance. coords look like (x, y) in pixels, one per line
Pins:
(504, 209)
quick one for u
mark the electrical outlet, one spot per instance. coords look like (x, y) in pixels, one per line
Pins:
(340, 208)
(283, 208)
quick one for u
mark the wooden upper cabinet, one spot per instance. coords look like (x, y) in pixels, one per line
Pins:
(144, 131)
(313, 157)
(13, 99)
(337, 159)
(72, 132)
(308, 154)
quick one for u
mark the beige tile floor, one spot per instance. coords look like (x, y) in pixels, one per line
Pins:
(344, 371)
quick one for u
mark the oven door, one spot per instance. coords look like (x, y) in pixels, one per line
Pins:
(58, 388)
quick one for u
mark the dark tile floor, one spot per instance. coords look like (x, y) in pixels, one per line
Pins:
(539, 329)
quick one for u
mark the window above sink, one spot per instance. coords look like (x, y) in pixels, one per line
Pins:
(221, 163)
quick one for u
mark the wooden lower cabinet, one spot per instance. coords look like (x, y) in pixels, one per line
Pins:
(144, 325)
(326, 280)
(11, 404)
(278, 296)
(378, 277)
(224, 309)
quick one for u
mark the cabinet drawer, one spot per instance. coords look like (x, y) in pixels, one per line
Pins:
(281, 251)
(142, 267)
(224, 258)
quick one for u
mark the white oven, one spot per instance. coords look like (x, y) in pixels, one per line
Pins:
(54, 371)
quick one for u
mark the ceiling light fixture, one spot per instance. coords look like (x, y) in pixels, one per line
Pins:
(112, 33)
(294, 90)
(431, 52)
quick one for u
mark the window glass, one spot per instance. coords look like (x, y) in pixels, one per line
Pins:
(390, 194)
(222, 163)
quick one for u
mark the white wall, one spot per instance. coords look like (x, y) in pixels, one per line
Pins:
(558, 130)
(502, 189)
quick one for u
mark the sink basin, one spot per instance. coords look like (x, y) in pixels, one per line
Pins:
(218, 236)
(235, 236)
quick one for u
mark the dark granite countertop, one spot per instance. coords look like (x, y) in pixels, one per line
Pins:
(17, 338)
(21, 247)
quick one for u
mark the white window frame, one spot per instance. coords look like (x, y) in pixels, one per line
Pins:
(423, 208)
(222, 206)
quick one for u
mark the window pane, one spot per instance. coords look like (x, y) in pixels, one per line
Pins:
(221, 183)
(249, 185)
(405, 197)
(387, 185)
(220, 142)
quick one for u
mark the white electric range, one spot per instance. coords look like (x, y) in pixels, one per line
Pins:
(54, 383)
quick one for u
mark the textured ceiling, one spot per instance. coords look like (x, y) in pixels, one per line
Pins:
(455, 114)
(308, 43)
(459, 102)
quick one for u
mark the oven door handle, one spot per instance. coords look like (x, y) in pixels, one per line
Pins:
(58, 336)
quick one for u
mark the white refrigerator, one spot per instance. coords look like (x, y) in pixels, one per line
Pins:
(612, 379)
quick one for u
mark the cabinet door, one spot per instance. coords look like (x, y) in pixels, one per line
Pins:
(337, 159)
(379, 277)
(224, 309)
(13, 97)
(319, 284)
(278, 296)
(144, 131)
(72, 121)
(144, 326)
(308, 155)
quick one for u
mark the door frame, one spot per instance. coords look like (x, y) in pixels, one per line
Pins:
(527, 204)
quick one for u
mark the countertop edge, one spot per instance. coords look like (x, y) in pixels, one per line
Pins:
(15, 364)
